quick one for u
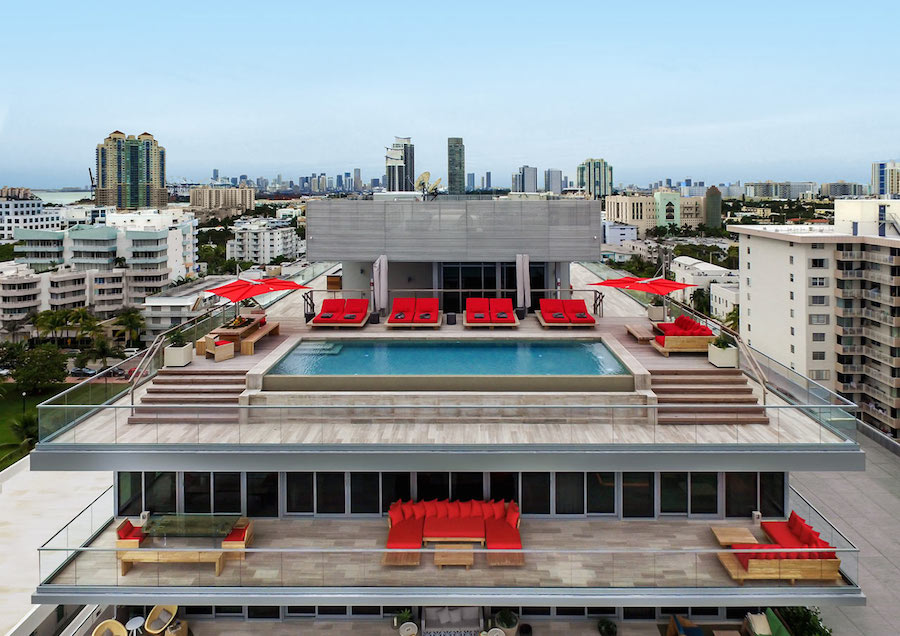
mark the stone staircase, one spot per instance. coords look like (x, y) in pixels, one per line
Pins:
(205, 387)
(728, 389)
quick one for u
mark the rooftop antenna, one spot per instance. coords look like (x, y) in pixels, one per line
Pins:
(428, 189)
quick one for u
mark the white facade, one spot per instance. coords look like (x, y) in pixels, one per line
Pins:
(26, 214)
(723, 297)
(701, 274)
(553, 181)
(262, 242)
(618, 233)
(70, 215)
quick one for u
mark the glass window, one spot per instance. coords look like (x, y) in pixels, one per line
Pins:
(364, 493)
(570, 493)
(332, 610)
(366, 610)
(673, 492)
(740, 494)
(197, 496)
(601, 493)
(771, 494)
(504, 486)
(159, 492)
(330, 493)
(704, 493)
(301, 610)
(466, 486)
(227, 493)
(432, 486)
(130, 494)
(263, 612)
(637, 495)
(262, 494)
(299, 495)
(536, 493)
(394, 486)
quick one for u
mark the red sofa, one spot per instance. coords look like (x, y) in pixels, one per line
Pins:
(491, 523)
(340, 312)
(683, 326)
(129, 535)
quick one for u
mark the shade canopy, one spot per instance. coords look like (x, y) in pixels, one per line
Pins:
(380, 282)
(243, 289)
(658, 286)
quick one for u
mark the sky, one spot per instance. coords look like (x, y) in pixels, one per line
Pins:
(715, 91)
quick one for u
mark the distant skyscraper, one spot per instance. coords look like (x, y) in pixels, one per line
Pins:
(487, 179)
(215, 174)
(339, 182)
(553, 181)
(565, 182)
(456, 166)
(527, 181)
(348, 182)
(357, 180)
(234, 181)
(330, 184)
(596, 177)
(885, 178)
(482, 183)
(131, 172)
(688, 182)
(400, 162)
(374, 183)
(516, 182)
(470, 182)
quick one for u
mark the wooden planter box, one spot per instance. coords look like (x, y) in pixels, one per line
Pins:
(656, 314)
(722, 358)
(178, 356)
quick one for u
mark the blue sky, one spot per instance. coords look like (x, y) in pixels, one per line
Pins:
(715, 91)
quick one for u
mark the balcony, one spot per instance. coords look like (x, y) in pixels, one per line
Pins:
(871, 257)
(882, 376)
(311, 558)
(847, 350)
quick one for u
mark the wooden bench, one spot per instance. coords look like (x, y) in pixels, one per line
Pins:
(792, 570)
(129, 558)
(401, 559)
(239, 544)
(642, 333)
(683, 344)
(248, 342)
(454, 554)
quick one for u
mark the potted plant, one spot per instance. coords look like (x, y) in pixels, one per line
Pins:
(722, 353)
(179, 352)
(606, 627)
(403, 621)
(656, 312)
(507, 621)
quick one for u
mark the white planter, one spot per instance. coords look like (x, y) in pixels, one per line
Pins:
(178, 356)
(656, 314)
(723, 358)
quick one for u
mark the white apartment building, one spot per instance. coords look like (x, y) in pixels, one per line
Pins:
(242, 198)
(779, 189)
(723, 297)
(824, 300)
(262, 241)
(26, 214)
(70, 215)
(177, 305)
(693, 271)
(618, 233)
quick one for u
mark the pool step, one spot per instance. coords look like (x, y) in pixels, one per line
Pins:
(697, 378)
(710, 371)
(201, 372)
(200, 379)
(726, 391)
(181, 388)
(192, 399)
(320, 348)
(679, 389)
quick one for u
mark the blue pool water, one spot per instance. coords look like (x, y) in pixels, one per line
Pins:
(449, 357)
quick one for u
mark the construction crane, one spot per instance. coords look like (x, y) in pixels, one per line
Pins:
(93, 185)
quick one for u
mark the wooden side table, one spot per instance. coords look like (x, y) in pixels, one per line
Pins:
(454, 554)
(729, 535)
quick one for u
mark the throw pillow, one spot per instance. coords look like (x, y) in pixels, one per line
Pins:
(408, 510)
(476, 509)
(444, 615)
(465, 508)
(431, 508)
(512, 515)
(396, 515)
(456, 615)
(500, 509)
(443, 509)
(453, 510)
(419, 510)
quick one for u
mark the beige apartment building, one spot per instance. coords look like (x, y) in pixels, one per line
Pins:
(664, 207)
(242, 198)
(825, 301)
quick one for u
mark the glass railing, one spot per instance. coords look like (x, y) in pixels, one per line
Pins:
(372, 422)
(84, 554)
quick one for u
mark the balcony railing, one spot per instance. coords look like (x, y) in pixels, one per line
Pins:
(82, 554)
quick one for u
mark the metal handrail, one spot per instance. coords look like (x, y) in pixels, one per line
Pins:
(96, 499)
(823, 517)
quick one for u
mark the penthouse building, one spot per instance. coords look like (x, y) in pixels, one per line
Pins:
(276, 484)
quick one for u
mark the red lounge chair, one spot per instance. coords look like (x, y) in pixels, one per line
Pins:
(427, 312)
(356, 312)
(478, 312)
(502, 306)
(577, 313)
(402, 311)
(552, 313)
(331, 313)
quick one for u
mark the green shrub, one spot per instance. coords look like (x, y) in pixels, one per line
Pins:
(606, 627)
(804, 621)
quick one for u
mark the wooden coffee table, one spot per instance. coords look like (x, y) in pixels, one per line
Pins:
(454, 554)
(729, 535)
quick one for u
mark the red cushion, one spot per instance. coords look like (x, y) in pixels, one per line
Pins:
(405, 306)
(680, 321)
(499, 535)
(396, 515)
(431, 508)
(575, 306)
(478, 306)
(125, 529)
(408, 510)
(428, 306)
(465, 508)
(512, 515)
(453, 510)
(779, 532)
(500, 509)
(237, 534)
(550, 306)
(821, 543)
(419, 510)
(219, 343)
(136, 533)
(666, 327)
(262, 321)
(795, 522)
(502, 305)
(807, 534)
(356, 306)
(406, 534)
(333, 306)
(471, 527)
(443, 509)
(476, 509)
(661, 340)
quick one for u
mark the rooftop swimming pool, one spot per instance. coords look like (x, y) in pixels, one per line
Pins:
(449, 358)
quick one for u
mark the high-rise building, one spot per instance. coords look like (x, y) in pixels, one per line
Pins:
(215, 174)
(487, 179)
(595, 176)
(837, 189)
(525, 180)
(234, 181)
(553, 181)
(885, 178)
(131, 172)
(470, 181)
(456, 166)
(400, 162)
(339, 182)
(215, 198)
(357, 180)
(482, 182)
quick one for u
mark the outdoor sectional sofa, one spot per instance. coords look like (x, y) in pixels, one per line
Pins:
(683, 335)
(770, 561)
(341, 312)
(491, 524)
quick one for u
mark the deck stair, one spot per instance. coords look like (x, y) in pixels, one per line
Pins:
(726, 388)
(203, 387)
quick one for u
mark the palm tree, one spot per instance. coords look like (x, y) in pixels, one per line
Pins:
(733, 318)
(119, 262)
(132, 323)
(101, 349)
(52, 322)
(26, 432)
(84, 319)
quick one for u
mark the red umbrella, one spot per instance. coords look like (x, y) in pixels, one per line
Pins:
(242, 289)
(658, 286)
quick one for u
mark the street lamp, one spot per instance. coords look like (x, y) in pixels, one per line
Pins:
(23, 403)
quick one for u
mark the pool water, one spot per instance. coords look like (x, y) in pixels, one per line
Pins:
(450, 357)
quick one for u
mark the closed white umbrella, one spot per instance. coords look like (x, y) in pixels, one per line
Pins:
(523, 281)
(380, 277)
